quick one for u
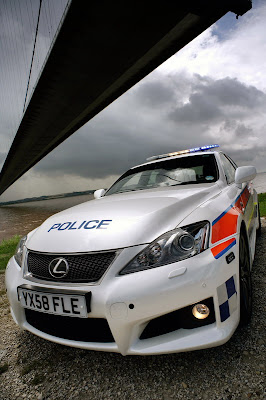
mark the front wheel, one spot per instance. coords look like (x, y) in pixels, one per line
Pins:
(245, 281)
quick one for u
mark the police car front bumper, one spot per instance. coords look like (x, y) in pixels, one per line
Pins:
(129, 303)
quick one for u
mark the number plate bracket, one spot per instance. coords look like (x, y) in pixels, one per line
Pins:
(58, 291)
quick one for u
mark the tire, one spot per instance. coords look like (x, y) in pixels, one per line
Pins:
(244, 281)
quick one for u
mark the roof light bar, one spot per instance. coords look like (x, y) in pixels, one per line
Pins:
(178, 153)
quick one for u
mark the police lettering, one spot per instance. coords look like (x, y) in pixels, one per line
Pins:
(93, 224)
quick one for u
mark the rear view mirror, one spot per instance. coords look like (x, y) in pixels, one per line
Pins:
(245, 174)
(99, 193)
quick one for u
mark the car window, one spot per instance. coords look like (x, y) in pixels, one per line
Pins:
(231, 161)
(132, 181)
(170, 172)
(229, 169)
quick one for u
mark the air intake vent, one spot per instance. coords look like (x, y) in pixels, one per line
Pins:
(82, 267)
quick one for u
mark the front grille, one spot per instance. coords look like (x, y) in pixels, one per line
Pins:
(79, 329)
(82, 267)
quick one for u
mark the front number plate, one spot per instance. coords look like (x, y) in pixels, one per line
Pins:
(53, 303)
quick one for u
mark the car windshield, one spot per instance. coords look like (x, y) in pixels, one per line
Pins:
(178, 171)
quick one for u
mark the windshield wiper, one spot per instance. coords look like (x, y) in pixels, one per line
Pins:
(128, 190)
(135, 190)
(187, 183)
(176, 180)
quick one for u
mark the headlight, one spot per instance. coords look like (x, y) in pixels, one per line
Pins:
(173, 246)
(19, 250)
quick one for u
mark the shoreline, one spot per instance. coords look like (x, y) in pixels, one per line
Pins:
(48, 197)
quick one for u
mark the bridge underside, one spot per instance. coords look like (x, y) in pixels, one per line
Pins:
(102, 49)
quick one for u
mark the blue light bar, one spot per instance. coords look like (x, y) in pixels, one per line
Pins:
(178, 153)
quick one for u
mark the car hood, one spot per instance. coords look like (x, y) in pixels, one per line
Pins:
(119, 220)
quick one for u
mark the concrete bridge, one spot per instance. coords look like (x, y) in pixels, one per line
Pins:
(102, 49)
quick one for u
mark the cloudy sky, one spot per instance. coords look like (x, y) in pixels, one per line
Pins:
(212, 91)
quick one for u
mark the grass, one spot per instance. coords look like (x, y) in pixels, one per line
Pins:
(262, 201)
(7, 250)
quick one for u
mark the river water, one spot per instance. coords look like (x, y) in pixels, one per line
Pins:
(19, 219)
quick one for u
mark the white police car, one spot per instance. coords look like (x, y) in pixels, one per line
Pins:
(158, 263)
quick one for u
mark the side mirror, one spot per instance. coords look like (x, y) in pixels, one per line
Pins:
(99, 193)
(245, 174)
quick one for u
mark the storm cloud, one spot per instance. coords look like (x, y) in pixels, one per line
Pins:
(108, 146)
(215, 100)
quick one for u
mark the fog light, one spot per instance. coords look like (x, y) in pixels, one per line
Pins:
(200, 311)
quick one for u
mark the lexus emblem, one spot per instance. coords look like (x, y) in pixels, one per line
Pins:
(58, 268)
